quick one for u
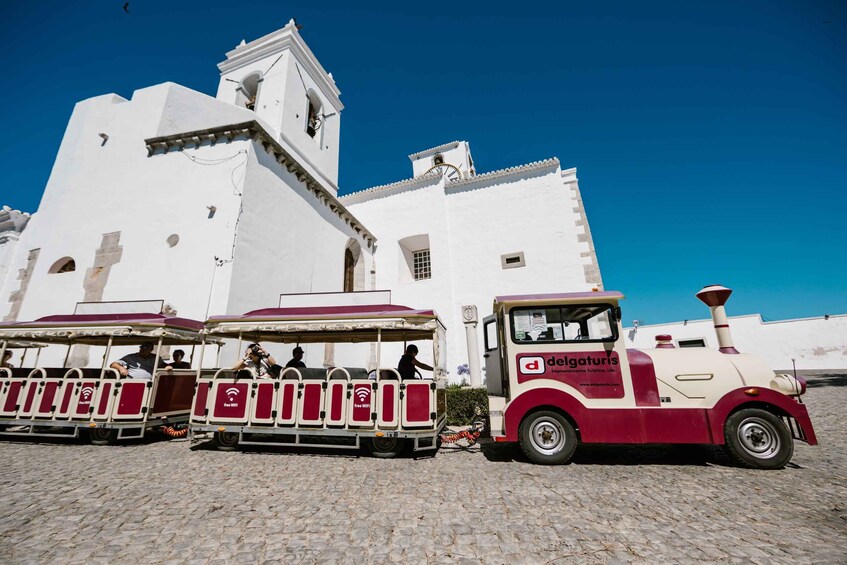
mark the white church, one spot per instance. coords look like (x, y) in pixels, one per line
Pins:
(218, 205)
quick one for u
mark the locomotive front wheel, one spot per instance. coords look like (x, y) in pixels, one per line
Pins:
(226, 441)
(547, 438)
(102, 436)
(758, 439)
(385, 447)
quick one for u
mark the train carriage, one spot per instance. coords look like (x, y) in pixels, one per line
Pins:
(335, 406)
(65, 401)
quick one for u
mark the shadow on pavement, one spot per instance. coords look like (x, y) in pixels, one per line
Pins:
(150, 438)
(595, 454)
(831, 379)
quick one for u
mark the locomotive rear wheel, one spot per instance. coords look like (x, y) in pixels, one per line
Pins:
(226, 441)
(385, 447)
(102, 436)
(756, 438)
(546, 437)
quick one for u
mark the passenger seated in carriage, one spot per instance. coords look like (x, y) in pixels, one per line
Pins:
(7, 358)
(138, 365)
(178, 362)
(407, 364)
(296, 358)
(259, 361)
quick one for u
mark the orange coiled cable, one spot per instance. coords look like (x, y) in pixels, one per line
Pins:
(173, 432)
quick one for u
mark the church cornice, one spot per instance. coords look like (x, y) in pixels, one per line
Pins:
(551, 163)
(389, 189)
(395, 187)
(431, 150)
(254, 130)
(12, 221)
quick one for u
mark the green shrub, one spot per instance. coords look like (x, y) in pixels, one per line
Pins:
(464, 405)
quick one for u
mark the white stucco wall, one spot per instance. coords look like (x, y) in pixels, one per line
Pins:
(288, 242)
(816, 344)
(470, 225)
(97, 188)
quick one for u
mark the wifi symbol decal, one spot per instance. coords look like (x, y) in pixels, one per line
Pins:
(232, 392)
(86, 393)
(362, 393)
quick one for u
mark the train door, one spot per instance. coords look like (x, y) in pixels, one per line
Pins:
(494, 374)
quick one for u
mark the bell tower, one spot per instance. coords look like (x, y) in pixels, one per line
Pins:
(279, 79)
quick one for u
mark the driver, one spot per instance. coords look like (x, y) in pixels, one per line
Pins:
(407, 364)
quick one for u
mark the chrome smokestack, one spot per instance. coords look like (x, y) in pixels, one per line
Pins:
(715, 296)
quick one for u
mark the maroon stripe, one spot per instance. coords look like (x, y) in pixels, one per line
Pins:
(643, 378)
(722, 326)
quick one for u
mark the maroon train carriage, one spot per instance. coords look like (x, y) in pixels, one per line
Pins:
(39, 401)
(343, 406)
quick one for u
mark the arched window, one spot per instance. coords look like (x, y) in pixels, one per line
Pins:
(313, 117)
(63, 265)
(248, 91)
(354, 267)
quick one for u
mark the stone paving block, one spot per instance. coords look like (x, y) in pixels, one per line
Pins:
(639, 504)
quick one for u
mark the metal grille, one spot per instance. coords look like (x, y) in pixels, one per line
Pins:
(421, 264)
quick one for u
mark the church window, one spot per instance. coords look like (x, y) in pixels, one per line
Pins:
(313, 117)
(415, 258)
(421, 265)
(512, 260)
(63, 265)
(437, 159)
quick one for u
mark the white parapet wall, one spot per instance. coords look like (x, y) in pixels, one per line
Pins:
(814, 344)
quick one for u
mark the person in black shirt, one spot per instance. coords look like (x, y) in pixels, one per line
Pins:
(296, 359)
(407, 364)
(178, 363)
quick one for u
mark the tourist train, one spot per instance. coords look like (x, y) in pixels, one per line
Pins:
(557, 372)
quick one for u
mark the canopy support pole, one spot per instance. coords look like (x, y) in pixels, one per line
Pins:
(106, 356)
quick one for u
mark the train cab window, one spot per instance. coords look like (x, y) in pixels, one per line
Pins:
(491, 335)
(564, 324)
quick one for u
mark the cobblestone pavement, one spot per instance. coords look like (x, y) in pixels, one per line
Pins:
(160, 501)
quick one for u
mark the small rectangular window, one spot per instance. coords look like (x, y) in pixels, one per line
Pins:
(563, 324)
(421, 265)
(692, 342)
(491, 335)
(512, 260)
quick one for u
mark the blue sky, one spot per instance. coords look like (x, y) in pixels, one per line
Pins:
(710, 138)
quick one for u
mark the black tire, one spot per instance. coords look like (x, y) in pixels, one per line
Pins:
(102, 436)
(547, 438)
(226, 441)
(757, 439)
(385, 447)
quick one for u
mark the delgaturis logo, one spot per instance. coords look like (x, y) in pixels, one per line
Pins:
(531, 365)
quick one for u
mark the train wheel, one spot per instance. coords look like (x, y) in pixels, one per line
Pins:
(102, 436)
(758, 439)
(385, 447)
(547, 438)
(226, 441)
